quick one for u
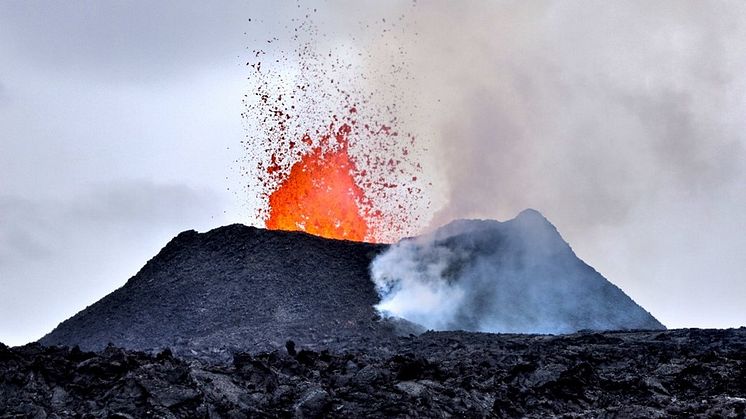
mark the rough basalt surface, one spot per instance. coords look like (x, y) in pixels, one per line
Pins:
(677, 373)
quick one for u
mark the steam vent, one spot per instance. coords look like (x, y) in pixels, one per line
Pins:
(245, 288)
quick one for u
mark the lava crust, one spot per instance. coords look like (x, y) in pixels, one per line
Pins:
(677, 373)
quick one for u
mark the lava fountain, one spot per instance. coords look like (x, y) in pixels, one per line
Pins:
(326, 150)
(320, 195)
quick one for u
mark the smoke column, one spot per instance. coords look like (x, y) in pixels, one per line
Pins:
(623, 123)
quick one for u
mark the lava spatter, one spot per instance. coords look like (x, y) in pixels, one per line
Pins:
(324, 151)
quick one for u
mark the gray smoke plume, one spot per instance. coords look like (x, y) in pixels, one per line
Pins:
(517, 276)
(623, 122)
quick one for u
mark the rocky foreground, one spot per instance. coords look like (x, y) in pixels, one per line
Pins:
(678, 373)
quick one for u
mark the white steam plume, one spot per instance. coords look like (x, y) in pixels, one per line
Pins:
(517, 276)
(622, 121)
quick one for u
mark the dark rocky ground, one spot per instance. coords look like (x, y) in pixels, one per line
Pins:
(515, 276)
(677, 373)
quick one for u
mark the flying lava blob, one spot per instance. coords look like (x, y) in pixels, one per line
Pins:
(320, 194)
(325, 151)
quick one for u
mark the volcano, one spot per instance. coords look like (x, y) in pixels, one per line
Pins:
(245, 288)
(236, 287)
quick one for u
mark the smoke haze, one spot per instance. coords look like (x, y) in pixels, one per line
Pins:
(623, 123)
(519, 276)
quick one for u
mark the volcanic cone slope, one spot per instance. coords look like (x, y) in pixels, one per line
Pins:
(250, 289)
(236, 286)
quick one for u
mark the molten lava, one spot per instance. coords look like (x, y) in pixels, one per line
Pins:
(320, 195)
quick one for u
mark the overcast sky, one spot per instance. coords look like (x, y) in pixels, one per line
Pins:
(624, 124)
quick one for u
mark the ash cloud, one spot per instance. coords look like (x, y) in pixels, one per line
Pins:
(551, 105)
(623, 123)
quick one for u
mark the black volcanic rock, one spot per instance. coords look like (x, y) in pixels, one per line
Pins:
(236, 287)
(677, 373)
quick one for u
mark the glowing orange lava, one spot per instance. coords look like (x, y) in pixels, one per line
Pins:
(320, 195)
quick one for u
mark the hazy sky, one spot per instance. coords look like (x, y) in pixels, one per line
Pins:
(623, 123)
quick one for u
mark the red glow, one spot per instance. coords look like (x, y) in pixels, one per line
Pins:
(320, 195)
